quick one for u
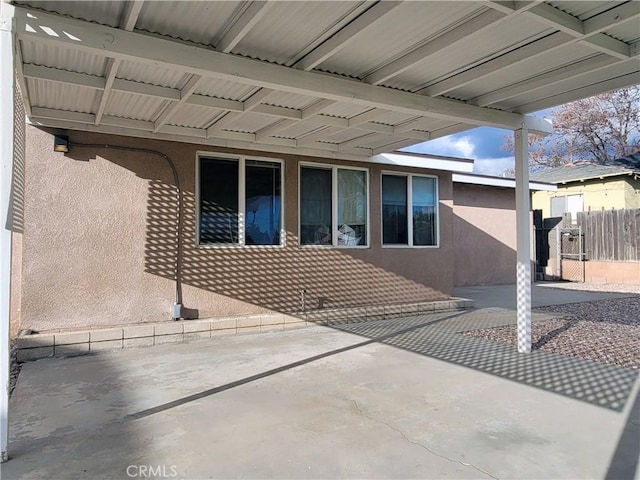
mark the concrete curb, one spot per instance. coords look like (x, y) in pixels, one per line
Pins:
(62, 344)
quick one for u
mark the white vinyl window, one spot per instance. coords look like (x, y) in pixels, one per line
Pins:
(567, 204)
(333, 203)
(409, 210)
(239, 201)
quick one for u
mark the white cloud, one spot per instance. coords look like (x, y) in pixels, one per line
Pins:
(492, 166)
(447, 146)
(465, 146)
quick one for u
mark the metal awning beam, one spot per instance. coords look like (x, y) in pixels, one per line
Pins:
(569, 30)
(587, 32)
(448, 39)
(128, 22)
(340, 39)
(243, 25)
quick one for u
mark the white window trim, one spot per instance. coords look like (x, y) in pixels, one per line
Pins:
(334, 204)
(408, 176)
(241, 159)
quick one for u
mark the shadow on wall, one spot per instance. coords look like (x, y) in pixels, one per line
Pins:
(15, 213)
(480, 258)
(272, 278)
(15, 220)
(484, 233)
(231, 280)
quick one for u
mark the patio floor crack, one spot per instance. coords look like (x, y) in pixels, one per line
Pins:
(413, 442)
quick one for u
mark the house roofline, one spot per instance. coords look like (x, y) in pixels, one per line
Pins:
(491, 181)
(429, 155)
(595, 177)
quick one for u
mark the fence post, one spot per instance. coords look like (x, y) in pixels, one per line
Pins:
(581, 252)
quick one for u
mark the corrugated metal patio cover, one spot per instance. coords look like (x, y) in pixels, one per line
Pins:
(338, 79)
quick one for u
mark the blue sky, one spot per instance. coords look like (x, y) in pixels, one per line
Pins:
(481, 144)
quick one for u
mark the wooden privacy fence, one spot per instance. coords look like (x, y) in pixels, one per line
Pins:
(609, 235)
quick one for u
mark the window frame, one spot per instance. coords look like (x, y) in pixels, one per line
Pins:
(242, 181)
(334, 204)
(408, 177)
(565, 198)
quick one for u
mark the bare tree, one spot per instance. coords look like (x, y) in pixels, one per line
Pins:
(595, 129)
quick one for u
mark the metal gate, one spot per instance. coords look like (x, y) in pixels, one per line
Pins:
(570, 248)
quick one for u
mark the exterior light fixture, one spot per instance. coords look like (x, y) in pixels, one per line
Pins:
(61, 143)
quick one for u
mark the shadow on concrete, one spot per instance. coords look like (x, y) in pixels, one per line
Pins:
(542, 295)
(70, 427)
(624, 463)
(274, 371)
(584, 380)
(438, 336)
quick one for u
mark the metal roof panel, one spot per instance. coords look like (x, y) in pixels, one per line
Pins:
(405, 27)
(393, 118)
(250, 123)
(345, 135)
(136, 107)
(298, 130)
(212, 87)
(59, 96)
(529, 101)
(483, 46)
(194, 21)
(290, 100)
(143, 73)
(290, 29)
(194, 116)
(523, 71)
(584, 9)
(344, 110)
(628, 32)
(63, 59)
(103, 12)
(286, 32)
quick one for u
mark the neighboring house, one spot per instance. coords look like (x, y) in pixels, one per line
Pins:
(604, 203)
(587, 187)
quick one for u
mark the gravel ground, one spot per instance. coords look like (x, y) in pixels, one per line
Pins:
(14, 366)
(606, 331)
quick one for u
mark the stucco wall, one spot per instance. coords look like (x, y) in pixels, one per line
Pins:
(99, 244)
(599, 194)
(632, 193)
(484, 230)
(602, 272)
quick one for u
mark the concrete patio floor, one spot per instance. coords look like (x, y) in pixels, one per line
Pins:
(541, 295)
(410, 398)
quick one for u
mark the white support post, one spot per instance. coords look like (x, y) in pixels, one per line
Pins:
(523, 228)
(7, 78)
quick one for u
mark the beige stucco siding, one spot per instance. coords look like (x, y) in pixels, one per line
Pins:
(484, 234)
(99, 244)
(632, 192)
(599, 194)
